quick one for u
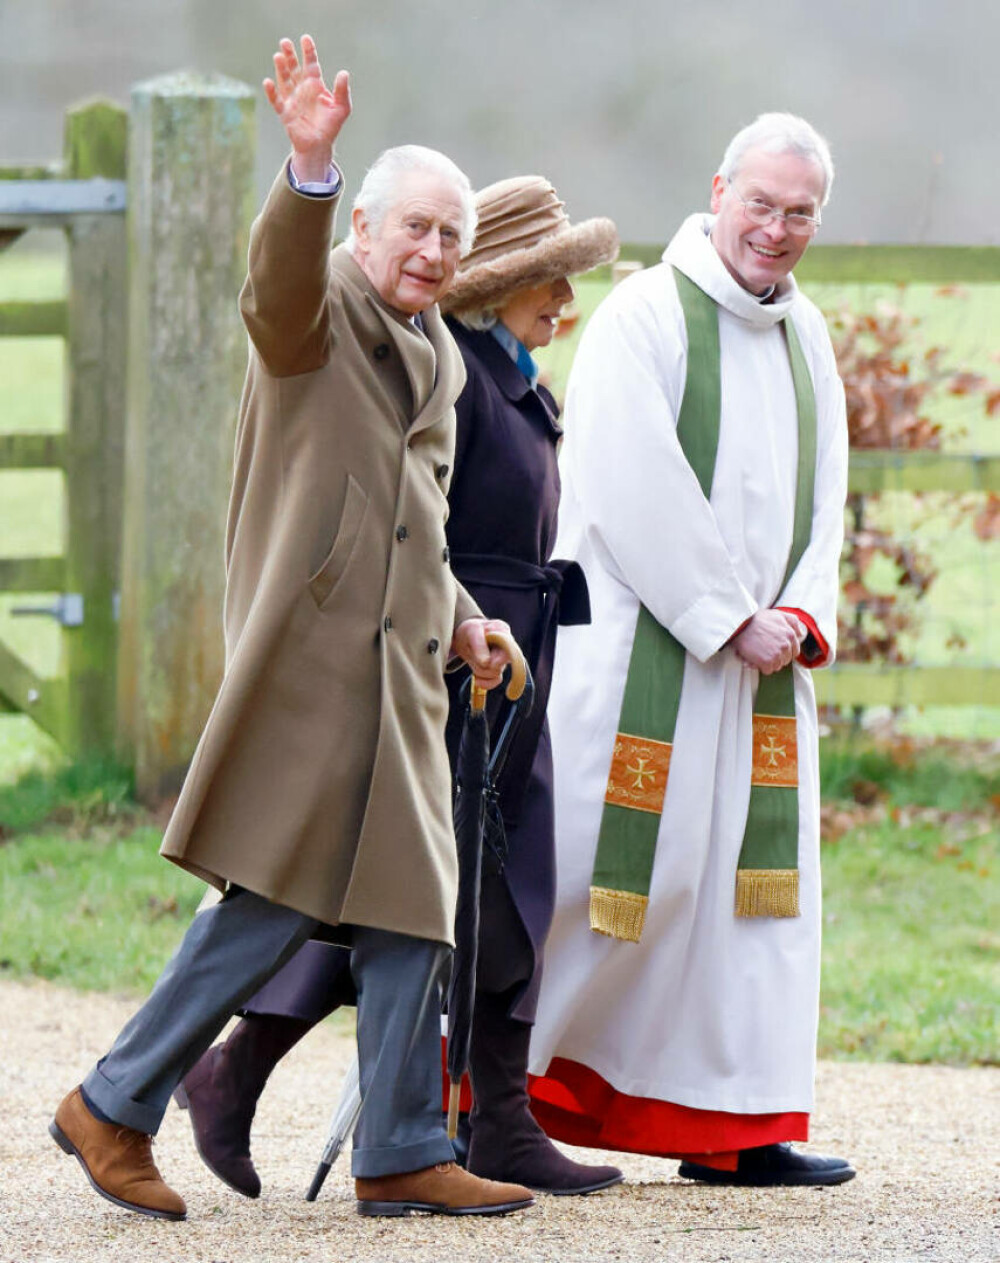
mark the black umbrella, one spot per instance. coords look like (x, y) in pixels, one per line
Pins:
(494, 828)
(475, 776)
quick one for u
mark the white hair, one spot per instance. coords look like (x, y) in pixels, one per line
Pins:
(780, 133)
(380, 188)
(478, 320)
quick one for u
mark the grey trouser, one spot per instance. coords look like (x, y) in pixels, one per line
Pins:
(317, 980)
(231, 949)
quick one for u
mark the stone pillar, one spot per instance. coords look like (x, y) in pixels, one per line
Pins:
(191, 200)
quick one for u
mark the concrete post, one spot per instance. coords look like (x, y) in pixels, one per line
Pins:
(190, 204)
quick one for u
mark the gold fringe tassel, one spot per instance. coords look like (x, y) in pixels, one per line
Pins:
(766, 892)
(617, 913)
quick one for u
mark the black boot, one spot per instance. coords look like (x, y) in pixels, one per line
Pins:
(221, 1091)
(507, 1143)
(769, 1165)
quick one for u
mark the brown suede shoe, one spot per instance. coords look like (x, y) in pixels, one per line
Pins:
(444, 1189)
(117, 1160)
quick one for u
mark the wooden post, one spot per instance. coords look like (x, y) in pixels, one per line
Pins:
(95, 145)
(190, 204)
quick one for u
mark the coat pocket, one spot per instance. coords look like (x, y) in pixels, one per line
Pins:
(352, 519)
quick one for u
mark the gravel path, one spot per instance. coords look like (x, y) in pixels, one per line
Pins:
(924, 1140)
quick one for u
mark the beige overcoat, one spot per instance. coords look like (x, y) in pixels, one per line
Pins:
(321, 780)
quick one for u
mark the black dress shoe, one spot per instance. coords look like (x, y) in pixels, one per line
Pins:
(771, 1165)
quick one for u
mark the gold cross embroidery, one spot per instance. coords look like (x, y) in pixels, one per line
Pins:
(639, 771)
(638, 775)
(775, 751)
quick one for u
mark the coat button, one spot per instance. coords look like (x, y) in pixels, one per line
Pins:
(381, 351)
(401, 533)
(387, 624)
(446, 554)
(433, 646)
(442, 471)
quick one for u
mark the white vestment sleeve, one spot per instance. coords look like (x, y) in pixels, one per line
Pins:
(640, 501)
(815, 584)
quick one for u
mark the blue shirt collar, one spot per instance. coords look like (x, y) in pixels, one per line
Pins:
(517, 351)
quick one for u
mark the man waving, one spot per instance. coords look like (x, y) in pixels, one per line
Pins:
(320, 791)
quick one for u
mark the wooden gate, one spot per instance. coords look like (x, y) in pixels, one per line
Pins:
(85, 196)
(155, 355)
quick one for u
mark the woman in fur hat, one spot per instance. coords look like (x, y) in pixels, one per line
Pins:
(505, 302)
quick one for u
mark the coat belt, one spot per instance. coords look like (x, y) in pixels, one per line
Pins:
(566, 601)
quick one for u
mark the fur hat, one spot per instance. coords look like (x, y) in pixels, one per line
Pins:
(524, 238)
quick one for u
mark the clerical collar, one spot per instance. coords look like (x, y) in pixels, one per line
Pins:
(767, 295)
(517, 351)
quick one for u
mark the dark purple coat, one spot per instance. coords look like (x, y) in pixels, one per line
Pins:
(501, 528)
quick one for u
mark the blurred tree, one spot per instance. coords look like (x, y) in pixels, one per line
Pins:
(890, 390)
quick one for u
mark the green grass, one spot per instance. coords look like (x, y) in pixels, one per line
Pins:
(911, 945)
(85, 899)
(911, 926)
(32, 368)
(956, 778)
(29, 273)
(32, 372)
(84, 794)
(100, 913)
(24, 748)
(32, 502)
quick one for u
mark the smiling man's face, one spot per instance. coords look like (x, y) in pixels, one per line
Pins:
(759, 255)
(412, 257)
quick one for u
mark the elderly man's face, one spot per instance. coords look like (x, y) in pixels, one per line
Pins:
(412, 257)
(759, 255)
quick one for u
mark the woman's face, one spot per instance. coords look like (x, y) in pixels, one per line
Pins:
(532, 314)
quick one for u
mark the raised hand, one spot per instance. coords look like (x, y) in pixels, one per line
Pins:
(770, 640)
(311, 113)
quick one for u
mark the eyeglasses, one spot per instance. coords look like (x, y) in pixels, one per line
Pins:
(761, 212)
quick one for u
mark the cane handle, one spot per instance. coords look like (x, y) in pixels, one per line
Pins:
(518, 669)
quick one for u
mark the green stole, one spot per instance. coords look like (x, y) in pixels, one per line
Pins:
(767, 874)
